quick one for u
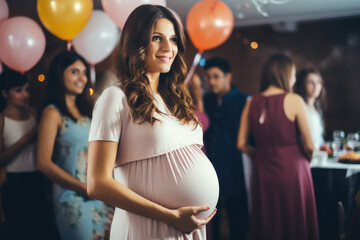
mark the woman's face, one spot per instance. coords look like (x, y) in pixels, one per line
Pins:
(75, 78)
(163, 48)
(292, 80)
(313, 85)
(18, 96)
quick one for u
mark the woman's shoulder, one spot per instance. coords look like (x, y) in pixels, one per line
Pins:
(113, 93)
(51, 111)
(296, 98)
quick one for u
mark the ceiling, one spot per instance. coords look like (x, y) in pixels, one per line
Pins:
(246, 12)
(253, 12)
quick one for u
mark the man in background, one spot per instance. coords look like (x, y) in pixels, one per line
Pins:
(223, 105)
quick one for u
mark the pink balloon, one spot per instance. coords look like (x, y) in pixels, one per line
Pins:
(119, 10)
(22, 43)
(4, 11)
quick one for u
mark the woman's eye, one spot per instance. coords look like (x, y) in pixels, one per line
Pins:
(174, 40)
(74, 71)
(156, 38)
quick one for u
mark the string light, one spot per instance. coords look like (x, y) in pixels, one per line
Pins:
(254, 45)
(41, 77)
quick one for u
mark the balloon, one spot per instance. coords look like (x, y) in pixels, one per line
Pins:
(209, 24)
(119, 10)
(98, 39)
(22, 43)
(4, 11)
(64, 18)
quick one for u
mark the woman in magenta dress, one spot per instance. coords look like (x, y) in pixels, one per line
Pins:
(283, 203)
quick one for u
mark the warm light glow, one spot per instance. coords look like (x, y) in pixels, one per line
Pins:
(91, 91)
(254, 45)
(246, 41)
(41, 77)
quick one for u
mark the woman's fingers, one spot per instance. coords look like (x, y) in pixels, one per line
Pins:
(198, 209)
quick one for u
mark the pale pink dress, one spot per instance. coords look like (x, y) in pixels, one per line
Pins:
(164, 164)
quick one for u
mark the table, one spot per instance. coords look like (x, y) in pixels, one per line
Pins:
(333, 182)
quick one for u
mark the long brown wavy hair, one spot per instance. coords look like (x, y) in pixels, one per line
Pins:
(130, 67)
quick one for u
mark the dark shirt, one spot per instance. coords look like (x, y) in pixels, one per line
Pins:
(221, 138)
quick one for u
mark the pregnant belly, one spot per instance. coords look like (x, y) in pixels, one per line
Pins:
(184, 177)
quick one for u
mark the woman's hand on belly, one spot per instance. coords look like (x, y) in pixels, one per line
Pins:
(186, 221)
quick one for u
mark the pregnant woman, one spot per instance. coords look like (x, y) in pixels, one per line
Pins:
(164, 186)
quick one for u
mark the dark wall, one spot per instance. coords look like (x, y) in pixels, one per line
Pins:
(331, 46)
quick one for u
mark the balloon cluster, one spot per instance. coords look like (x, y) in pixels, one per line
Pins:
(95, 33)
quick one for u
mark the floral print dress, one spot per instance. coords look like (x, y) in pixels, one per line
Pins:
(77, 217)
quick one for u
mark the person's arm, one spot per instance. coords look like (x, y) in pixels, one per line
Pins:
(302, 121)
(102, 186)
(48, 128)
(8, 154)
(244, 131)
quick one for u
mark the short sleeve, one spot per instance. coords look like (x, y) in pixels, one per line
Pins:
(106, 123)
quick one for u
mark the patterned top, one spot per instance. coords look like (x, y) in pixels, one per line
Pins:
(70, 154)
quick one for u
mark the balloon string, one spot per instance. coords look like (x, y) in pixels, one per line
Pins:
(92, 74)
(193, 66)
(69, 43)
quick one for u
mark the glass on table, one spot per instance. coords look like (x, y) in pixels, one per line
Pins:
(352, 141)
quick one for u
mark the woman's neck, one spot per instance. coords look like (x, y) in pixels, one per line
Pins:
(272, 90)
(17, 113)
(154, 81)
(70, 100)
(311, 102)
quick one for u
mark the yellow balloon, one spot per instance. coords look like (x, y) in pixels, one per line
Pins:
(64, 18)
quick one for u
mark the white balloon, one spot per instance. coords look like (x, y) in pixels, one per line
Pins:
(98, 39)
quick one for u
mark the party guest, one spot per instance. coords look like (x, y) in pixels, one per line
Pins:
(309, 85)
(63, 150)
(283, 203)
(26, 208)
(146, 133)
(224, 104)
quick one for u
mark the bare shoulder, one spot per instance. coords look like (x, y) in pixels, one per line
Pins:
(294, 99)
(51, 114)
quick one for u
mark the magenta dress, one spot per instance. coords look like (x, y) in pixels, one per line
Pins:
(283, 203)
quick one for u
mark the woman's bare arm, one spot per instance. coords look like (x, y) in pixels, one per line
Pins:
(48, 128)
(297, 104)
(244, 131)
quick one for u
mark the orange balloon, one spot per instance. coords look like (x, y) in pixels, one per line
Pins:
(209, 24)
(64, 18)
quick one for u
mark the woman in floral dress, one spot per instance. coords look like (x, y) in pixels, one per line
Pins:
(62, 150)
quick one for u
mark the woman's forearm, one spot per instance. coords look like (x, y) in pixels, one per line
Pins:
(61, 177)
